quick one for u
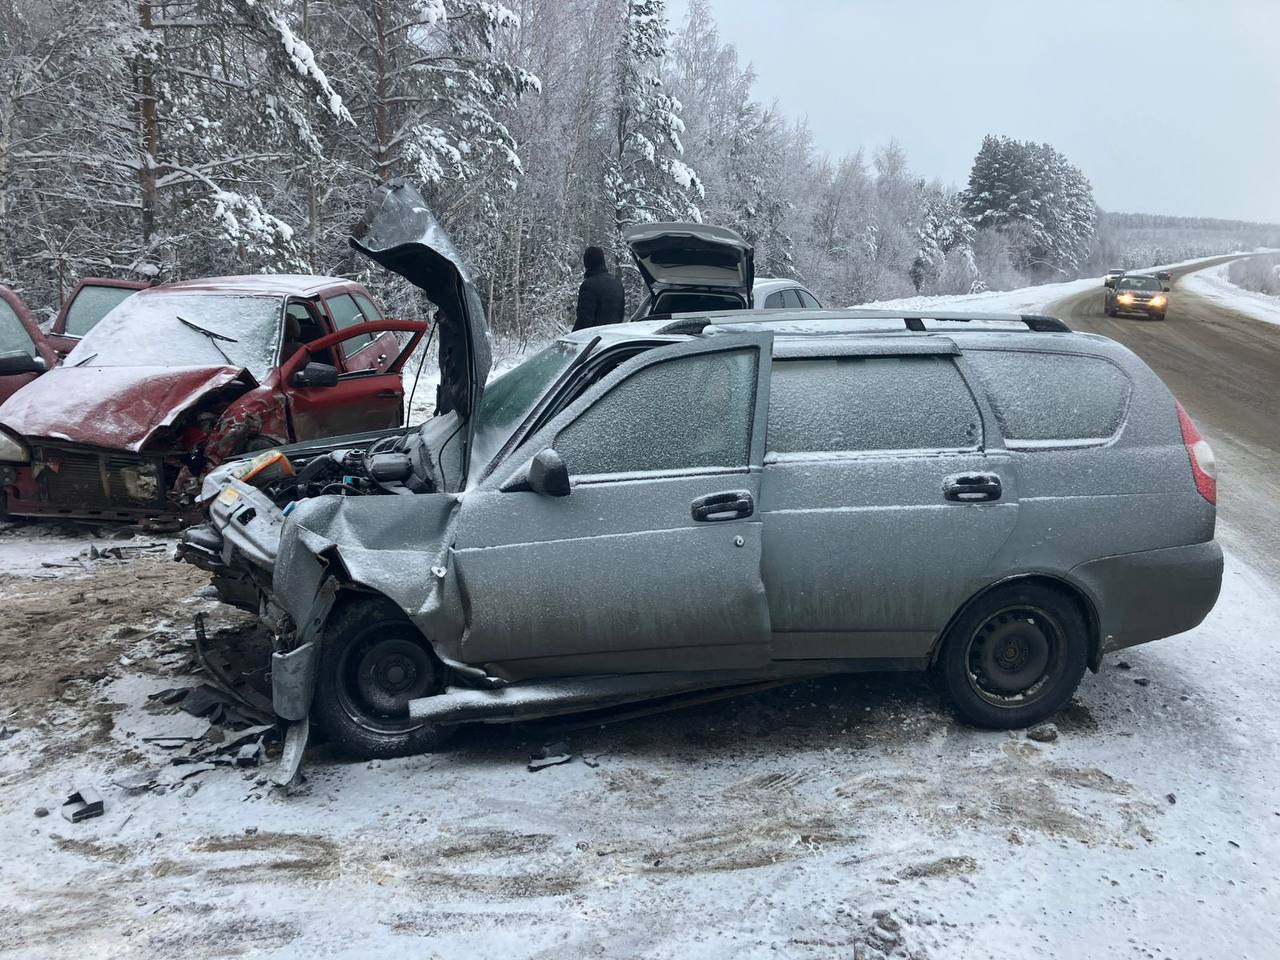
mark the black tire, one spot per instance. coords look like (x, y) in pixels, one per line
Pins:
(1157, 316)
(1111, 312)
(373, 662)
(1045, 645)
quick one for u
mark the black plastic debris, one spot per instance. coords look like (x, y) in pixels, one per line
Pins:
(249, 754)
(82, 805)
(550, 755)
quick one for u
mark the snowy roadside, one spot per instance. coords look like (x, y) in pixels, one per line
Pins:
(1024, 300)
(1213, 284)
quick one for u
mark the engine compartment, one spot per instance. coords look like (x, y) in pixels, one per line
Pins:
(399, 465)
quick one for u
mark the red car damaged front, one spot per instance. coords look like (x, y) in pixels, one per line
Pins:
(180, 378)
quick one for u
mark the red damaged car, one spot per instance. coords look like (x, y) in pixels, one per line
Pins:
(182, 376)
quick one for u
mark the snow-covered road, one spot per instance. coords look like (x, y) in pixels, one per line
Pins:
(850, 817)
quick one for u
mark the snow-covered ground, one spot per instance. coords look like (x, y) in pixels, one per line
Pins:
(1213, 284)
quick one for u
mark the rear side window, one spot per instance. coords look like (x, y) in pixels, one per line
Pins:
(1040, 398)
(366, 306)
(791, 298)
(808, 301)
(91, 305)
(347, 314)
(685, 414)
(773, 301)
(871, 403)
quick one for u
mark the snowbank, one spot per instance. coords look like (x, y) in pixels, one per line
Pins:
(1213, 284)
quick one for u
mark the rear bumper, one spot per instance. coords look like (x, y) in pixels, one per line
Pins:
(1152, 594)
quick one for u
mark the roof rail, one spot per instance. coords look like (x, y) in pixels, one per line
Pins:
(913, 320)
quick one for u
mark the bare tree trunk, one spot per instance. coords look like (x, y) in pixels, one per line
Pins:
(150, 128)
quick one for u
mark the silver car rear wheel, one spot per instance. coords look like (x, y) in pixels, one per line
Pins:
(1014, 655)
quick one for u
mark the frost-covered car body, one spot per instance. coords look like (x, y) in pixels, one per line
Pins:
(182, 376)
(1137, 294)
(25, 353)
(691, 267)
(715, 500)
(1109, 280)
(91, 300)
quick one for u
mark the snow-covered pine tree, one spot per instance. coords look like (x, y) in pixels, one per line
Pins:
(644, 177)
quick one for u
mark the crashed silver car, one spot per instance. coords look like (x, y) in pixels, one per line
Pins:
(717, 501)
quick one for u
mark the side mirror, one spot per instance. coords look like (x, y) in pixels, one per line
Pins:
(1165, 289)
(316, 375)
(18, 362)
(548, 475)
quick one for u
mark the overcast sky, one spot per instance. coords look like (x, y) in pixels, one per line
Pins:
(1169, 106)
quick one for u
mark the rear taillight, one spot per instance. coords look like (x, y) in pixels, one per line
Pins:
(1203, 468)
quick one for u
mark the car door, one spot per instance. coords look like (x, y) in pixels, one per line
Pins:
(886, 494)
(361, 399)
(91, 300)
(652, 561)
(370, 352)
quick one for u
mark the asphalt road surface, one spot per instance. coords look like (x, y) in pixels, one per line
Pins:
(1225, 369)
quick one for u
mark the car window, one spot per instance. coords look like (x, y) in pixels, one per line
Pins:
(1049, 397)
(91, 304)
(1139, 283)
(367, 308)
(773, 301)
(346, 313)
(13, 335)
(870, 403)
(808, 300)
(682, 414)
(791, 298)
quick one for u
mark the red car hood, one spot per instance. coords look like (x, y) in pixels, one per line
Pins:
(116, 407)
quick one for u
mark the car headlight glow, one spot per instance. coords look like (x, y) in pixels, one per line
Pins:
(12, 450)
(1125, 298)
(1158, 300)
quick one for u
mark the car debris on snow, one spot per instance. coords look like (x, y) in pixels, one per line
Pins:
(550, 755)
(84, 803)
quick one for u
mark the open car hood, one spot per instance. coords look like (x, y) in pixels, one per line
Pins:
(120, 408)
(695, 256)
(399, 233)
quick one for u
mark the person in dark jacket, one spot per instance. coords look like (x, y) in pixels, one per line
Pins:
(601, 298)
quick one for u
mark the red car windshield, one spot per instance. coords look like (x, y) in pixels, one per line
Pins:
(161, 329)
(13, 335)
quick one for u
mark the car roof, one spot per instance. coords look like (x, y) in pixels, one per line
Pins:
(829, 325)
(256, 284)
(770, 284)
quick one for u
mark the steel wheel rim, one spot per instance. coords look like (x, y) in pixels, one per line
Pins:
(1014, 656)
(378, 674)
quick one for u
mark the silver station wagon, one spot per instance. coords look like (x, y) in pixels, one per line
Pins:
(714, 501)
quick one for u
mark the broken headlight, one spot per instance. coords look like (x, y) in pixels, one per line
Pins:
(13, 450)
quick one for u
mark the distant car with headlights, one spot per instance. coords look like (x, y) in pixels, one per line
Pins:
(1109, 280)
(1139, 295)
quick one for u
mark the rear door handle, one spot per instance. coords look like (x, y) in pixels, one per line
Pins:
(729, 505)
(972, 488)
(388, 394)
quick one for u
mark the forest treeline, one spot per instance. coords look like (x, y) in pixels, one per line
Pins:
(178, 138)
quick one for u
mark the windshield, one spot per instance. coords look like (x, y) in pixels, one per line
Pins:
(13, 335)
(155, 329)
(508, 399)
(1139, 283)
